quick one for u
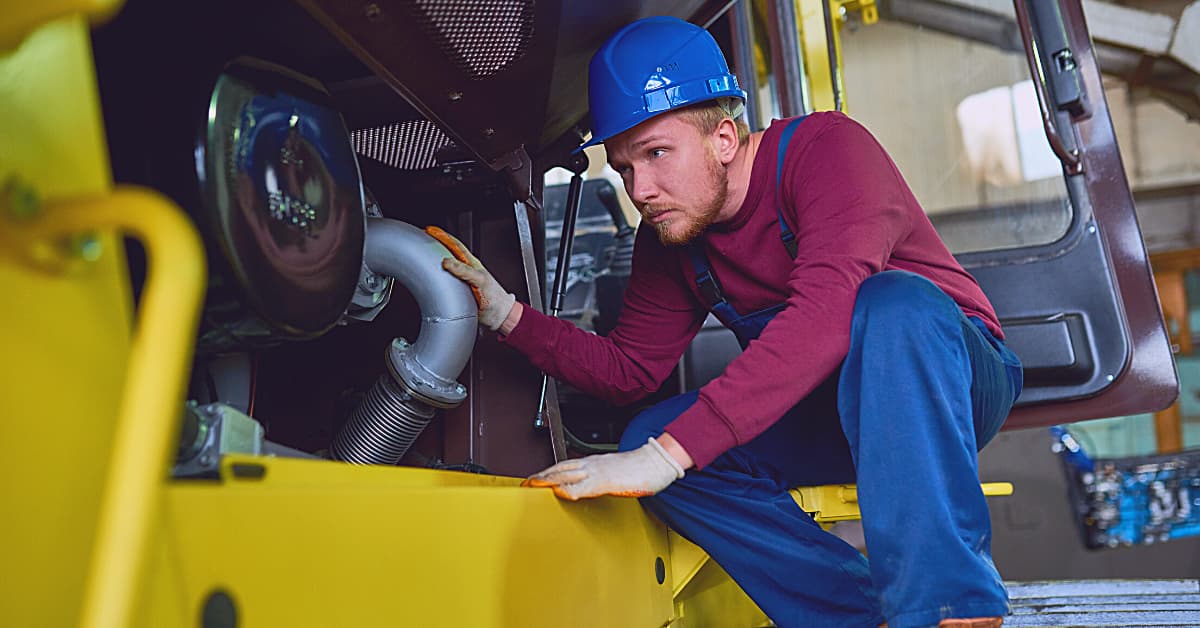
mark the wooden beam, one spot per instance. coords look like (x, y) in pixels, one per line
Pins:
(1180, 260)
(1168, 430)
(1172, 294)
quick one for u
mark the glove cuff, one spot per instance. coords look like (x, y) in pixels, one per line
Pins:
(498, 312)
(675, 466)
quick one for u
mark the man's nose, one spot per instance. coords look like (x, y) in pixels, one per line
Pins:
(642, 189)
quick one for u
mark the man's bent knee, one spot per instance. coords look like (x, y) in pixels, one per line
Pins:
(897, 293)
(650, 422)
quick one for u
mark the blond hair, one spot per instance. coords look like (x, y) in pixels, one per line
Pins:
(706, 116)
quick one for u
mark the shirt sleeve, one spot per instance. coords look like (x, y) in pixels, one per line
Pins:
(847, 204)
(658, 320)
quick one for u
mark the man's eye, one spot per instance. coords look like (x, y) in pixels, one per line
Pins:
(658, 152)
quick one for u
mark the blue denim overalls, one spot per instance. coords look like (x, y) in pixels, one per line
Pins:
(921, 390)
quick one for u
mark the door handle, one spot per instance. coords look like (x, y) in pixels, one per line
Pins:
(1070, 96)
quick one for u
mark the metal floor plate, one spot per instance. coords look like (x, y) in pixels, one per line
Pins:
(1125, 603)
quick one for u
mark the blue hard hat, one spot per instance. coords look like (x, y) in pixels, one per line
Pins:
(652, 66)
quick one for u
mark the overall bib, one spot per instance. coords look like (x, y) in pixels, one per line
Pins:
(921, 390)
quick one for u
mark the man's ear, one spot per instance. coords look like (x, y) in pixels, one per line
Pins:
(725, 141)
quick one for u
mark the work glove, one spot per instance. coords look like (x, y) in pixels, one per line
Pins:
(638, 473)
(494, 301)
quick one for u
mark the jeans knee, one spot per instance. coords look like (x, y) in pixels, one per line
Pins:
(636, 434)
(897, 295)
(650, 422)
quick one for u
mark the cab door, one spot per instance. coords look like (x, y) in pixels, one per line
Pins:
(998, 119)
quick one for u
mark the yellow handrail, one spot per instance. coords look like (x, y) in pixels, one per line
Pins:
(152, 396)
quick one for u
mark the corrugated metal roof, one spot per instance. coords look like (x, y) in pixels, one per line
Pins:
(1125, 603)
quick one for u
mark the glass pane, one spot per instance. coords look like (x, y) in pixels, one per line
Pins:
(599, 267)
(961, 120)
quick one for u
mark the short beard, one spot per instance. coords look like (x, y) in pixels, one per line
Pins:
(718, 178)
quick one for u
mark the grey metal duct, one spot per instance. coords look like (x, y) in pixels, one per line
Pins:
(449, 316)
(421, 376)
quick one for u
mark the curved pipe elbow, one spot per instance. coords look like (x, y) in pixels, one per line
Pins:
(449, 315)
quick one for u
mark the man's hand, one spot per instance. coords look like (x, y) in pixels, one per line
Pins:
(638, 473)
(494, 301)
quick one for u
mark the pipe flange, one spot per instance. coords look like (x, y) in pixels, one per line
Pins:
(419, 381)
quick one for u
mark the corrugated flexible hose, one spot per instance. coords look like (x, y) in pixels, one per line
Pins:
(383, 426)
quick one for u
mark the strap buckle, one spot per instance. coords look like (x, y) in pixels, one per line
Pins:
(709, 288)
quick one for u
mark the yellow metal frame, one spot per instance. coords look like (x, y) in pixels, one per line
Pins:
(76, 374)
(839, 502)
(21, 17)
(159, 360)
(822, 79)
(705, 596)
(319, 543)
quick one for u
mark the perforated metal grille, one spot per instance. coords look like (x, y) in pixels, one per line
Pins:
(480, 36)
(410, 145)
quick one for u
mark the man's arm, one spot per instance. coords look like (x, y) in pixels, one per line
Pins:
(658, 320)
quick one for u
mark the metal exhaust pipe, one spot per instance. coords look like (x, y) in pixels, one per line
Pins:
(422, 376)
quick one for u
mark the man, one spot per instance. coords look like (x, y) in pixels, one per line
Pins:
(870, 355)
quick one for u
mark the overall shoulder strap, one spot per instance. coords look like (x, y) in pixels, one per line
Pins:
(706, 281)
(785, 232)
(710, 291)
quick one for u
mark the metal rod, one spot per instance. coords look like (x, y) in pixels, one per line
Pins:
(788, 67)
(1070, 158)
(835, 72)
(548, 414)
(566, 240)
(742, 22)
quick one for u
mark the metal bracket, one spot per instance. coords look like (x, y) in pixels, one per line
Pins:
(211, 432)
(374, 291)
(548, 410)
(1071, 157)
(519, 168)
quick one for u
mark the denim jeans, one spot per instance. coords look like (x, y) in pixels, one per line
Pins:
(921, 390)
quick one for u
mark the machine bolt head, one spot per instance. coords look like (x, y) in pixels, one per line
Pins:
(21, 198)
(87, 247)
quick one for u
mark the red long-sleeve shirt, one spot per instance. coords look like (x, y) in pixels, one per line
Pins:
(853, 216)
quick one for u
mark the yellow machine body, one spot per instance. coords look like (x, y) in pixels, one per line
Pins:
(104, 538)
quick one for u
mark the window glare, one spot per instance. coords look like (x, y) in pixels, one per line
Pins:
(961, 121)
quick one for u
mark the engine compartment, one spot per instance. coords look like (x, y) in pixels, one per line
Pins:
(282, 130)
